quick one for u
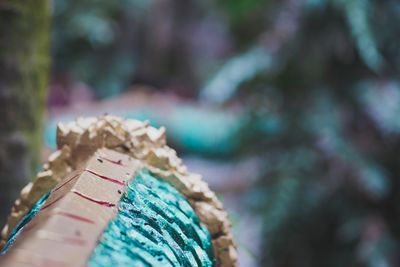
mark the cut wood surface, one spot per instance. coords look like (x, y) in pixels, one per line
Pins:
(75, 214)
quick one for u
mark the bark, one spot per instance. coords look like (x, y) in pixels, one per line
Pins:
(24, 65)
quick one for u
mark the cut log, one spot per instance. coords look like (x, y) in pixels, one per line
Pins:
(87, 176)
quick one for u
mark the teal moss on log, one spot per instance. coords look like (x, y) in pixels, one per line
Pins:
(24, 221)
(155, 226)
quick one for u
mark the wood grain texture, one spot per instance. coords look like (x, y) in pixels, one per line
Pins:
(74, 216)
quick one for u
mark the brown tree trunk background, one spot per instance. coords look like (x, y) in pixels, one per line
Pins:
(24, 65)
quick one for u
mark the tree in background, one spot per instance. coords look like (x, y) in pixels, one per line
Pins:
(24, 66)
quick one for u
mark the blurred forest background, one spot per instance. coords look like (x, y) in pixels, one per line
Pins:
(290, 109)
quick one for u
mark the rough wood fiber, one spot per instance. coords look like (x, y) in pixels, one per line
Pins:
(66, 229)
(78, 140)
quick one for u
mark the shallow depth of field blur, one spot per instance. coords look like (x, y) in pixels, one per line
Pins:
(289, 109)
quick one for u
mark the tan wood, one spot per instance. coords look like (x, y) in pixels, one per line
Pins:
(75, 215)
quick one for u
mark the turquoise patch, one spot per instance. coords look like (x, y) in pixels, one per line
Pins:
(155, 226)
(25, 220)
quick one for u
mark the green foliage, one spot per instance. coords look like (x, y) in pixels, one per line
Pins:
(356, 12)
(330, 174)
(237, 70)
(237, 9)
(88, 37)
(371, 94)
(317, 86)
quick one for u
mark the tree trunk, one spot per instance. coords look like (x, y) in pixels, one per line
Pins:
(24, 65)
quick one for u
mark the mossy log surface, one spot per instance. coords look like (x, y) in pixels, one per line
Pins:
(24, 65)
